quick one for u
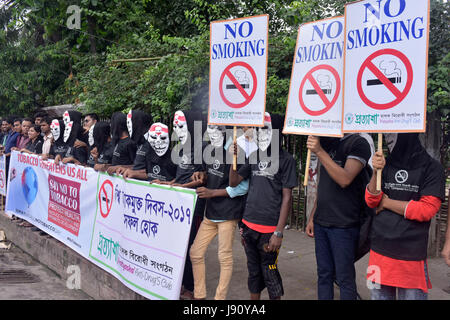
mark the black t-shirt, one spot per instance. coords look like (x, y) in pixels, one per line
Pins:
(105, 157)
(124, 152)
(142, 156)
(187, 166)
(160, 168)
(59, 149)
(35, 147)
(222, 208)
(393, 235)
(336, 206)
(267, 180)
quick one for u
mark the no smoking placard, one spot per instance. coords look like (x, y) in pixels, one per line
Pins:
(238, 71)
(385, 66)
(315, 94)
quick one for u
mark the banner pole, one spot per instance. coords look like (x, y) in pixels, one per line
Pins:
(308, 161)
(234, 155)
(380, 149)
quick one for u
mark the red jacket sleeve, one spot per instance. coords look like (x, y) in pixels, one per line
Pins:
(424, 209)
(373, 200)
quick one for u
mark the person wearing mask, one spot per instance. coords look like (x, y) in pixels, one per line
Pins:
(159, 166)
(271, 180)
(89, 122)
(189, 160)
(412, 190)
(59, 147)
(138, 124)
(224, 208)
(72, 132)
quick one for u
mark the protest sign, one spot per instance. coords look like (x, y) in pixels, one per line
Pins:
(315, 96)
(238, 71)
(385, 66)
(132, 229)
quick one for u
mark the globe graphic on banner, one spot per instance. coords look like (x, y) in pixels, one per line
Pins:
(29, 185)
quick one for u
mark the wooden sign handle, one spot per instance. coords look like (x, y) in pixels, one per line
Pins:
(379, 172)
(308, 161)
(234, 155)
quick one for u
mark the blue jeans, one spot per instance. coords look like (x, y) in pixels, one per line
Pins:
(389, 293)
(335, 254)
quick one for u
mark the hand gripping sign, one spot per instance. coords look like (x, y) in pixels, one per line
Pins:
(314, 102)
(238, 71)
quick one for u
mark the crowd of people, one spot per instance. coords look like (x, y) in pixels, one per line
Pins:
(255, 196)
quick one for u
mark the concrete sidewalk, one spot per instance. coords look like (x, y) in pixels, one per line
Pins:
(296, 263)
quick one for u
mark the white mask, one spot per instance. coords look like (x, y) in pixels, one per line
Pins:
(216, 135)
(158, 137)
(55, 129)
(130, 123)
(67, 131)
(66, 118)
(391, 140)
(180, 126)
(265, 134)
(91, 135)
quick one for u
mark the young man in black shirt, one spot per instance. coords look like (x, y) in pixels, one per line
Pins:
(224, 208)
(268, 205)
(334, 221)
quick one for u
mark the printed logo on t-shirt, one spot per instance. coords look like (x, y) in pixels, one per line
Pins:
(156, 169)
(401, 176)
(216, 164)
(262, 165)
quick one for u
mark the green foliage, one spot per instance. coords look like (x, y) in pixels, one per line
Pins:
(42, 62)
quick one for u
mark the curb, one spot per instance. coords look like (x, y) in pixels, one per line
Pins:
(95, 282)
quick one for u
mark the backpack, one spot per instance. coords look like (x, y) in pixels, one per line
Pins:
(366, 214)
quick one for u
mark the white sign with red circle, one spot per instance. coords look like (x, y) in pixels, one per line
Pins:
(238, 71)
(385, 66)
(315, 94)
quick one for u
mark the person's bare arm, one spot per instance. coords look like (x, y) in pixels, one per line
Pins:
(342, 176)
(286, 203)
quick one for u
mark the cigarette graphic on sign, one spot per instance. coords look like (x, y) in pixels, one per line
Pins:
(324, 83)
(241, 77)
(390, 70)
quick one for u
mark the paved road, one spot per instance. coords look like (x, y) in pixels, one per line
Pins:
(23, 278)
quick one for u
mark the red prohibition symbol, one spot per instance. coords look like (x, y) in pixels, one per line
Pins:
(399, 95)
(2, 179)
(309, 77)
(247, 97)
(104, 197)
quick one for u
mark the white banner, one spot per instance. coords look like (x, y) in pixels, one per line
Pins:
(315, 93)
(385, 68)
(238, 71)
(136, 231)
(3, 175)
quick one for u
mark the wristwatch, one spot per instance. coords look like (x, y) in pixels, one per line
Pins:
(278, 234)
